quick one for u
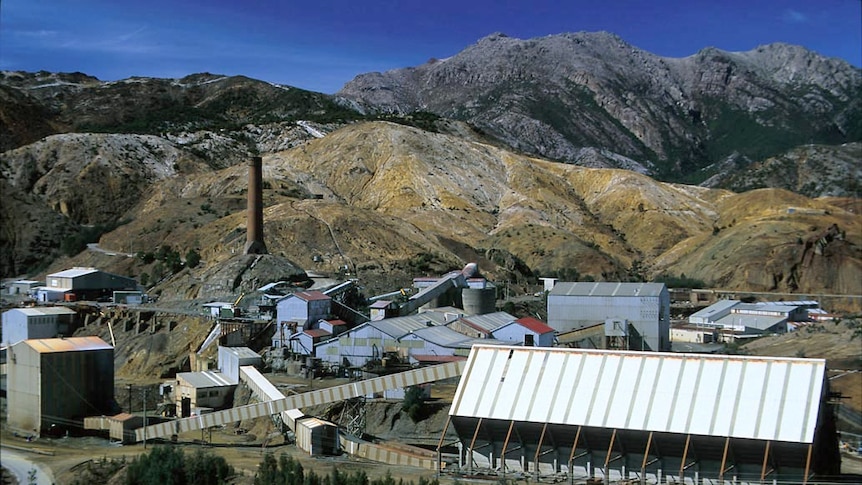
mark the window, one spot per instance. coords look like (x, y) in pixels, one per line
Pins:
(528, 340)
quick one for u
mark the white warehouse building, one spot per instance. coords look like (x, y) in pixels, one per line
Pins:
(37, 323)
(640, 311)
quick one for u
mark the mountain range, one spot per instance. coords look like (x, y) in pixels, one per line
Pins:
(487, 156)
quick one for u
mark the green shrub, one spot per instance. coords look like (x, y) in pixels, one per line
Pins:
(414, 399)
(168, 465)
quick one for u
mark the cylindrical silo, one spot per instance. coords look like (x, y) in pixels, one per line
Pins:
(479, 301)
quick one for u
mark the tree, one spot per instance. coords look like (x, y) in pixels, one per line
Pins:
(168, 465)
(414, 398)
(192, 258)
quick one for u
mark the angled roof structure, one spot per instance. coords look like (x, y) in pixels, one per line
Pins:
(400, 326)
(205, 379)
(716, 310)
(535, 325)
(449, 338)
(73, 273)
(45, 311)
(607, 289)
(488, 322)
(762, 398)
(70, 344)
(311, 295)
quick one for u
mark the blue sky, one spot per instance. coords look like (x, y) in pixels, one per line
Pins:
(320, 45)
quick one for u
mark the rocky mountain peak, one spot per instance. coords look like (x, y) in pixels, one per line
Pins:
(553, 96)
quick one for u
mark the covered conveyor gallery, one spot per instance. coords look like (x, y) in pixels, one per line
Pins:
(628, 415)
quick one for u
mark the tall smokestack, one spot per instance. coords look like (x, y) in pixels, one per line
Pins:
(254, 235)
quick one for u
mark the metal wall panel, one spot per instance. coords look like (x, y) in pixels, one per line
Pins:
(736, 396)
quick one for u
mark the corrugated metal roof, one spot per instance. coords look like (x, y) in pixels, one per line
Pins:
(437, 358)
(71, 344)
(73, 273)
(715, 308)
(311, 295)
(242, 352)
(535, 325)
(607, 289)
(43, 311)
(401, 326)
(489, 322)
(764, 307)
(765, 398)
(218, 304)
(761, 322)
(202, 380)
(442, 336)
(270, 286)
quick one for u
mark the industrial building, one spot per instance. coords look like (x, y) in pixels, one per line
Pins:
(370, 340)
(299, 311)
(470, 292)
(200, 392)
(83, 284)
(55, 383)
(527, 331)
(421, 337)
(732, 319)
(230, 359)
(23, 287)
(37, 323)
(622, 415)
(636, 316)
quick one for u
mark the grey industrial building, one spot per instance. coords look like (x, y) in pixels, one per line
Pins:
(230, 359)
(56, 383)
(83, 284)
(636, 316)
(738, 319)
(37, 323)
(643, 416)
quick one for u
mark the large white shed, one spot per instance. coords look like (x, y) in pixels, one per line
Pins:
(621, 415)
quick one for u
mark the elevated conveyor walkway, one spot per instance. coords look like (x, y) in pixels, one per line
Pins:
(265, 391)
(292, 403)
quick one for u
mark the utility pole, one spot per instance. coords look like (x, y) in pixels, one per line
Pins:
(145, 417)
(130, 399)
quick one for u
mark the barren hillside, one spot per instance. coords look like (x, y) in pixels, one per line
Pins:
(389, 202)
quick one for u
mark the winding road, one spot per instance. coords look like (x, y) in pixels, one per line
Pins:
(19, 464)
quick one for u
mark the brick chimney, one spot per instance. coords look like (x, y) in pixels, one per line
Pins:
(254, 235)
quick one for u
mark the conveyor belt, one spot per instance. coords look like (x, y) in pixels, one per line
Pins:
(312, 398)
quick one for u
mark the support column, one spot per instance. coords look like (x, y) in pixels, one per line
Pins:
(807, 465)
(440, 445)
(608, 456)
(472, 444)
(684, 458)
(765, 462)
(539, 450)
(505, 445)
(646, 456)
(572, 457)
(723, 460)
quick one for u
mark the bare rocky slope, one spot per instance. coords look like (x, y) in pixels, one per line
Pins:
(554, 95)
(389, 202)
